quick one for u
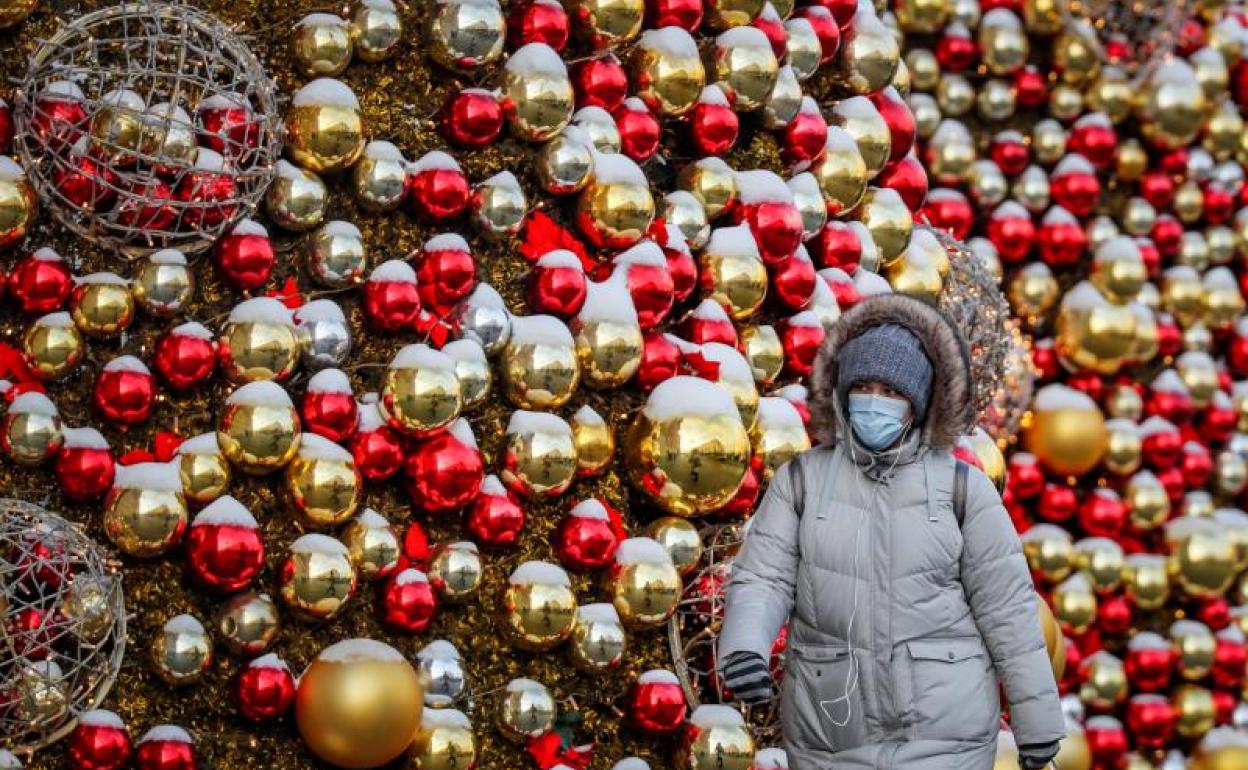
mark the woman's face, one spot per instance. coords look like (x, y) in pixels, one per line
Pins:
(875, 388)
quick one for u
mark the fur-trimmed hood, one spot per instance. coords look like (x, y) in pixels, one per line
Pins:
(950, 411)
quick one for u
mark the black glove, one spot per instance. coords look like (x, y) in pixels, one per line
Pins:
(1037, 755)
(746, 675)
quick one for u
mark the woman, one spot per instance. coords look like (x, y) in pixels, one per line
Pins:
(902, 614)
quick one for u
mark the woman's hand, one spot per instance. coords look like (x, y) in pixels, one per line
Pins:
(1035, 757)
(747, 677)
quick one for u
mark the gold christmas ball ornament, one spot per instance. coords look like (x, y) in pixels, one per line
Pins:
(182, 651)
(841, 172)
(1144, 580)
(13, 12)
(499, 205)
(1223, 302)
(32, 430)
(52, 346)
(420, 392)
(888, 220)
(539, 607)
(764, 352)
(163, 283)
(607, 334)
(1182, 293)
(745, 67)
(539, 456)
(785, 100)
(684, 212)
(296, 198)
(1118, 269)
(317, 578)
(680, 538)
(376, 29)
(1211, 71)
(1195, 709)
(668, 71)
(101, 304)
(466, 35)
(1222, 748)
(1123, 446)
(804, 51)
(1066, 430)
(735, 377)
(924, 68)
(455, 571)
(537, 94)
(39, 696)
(248, 624)
(1199, 374)
(322, 486)
(1101, 560)
(724, 14)
(1033, 291)
(1148, 504)
(539, 364)
(859, 118)
(596, 124)
(117, 126)
(643, 583)
(259, 341)
(598, 639)
(594, 441)
(565, 164)
(373, 544)
(1110, 93)
(259, 429)
(18, 202)
(714, 183)
(1049, 551)
(379, 179)
(1203, 561)
(1002, 41)
(87, 603)
(169, 134)
(717, 738)
(445, 741)
(472, 367)
(605, 24)
(778, 434)
(732, 272)
(359, 704)
(1074, 603)
(1223, 131)
(526, 710)
(1171, 105)
(868, 56)
(320, 44)
(616, 208)
(926, 16)
(203, 468)
(1196, 646)
(324, 129)
(922, 267)
(1104, 681)
(687, 448)
(145, 511)
(1054, 640)
(955, 96)
(1092, 331)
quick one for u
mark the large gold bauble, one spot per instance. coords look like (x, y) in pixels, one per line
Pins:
(255, 347)
(539, 364)
(687, 449)
(1228, 752)
(248, 624)
(526, 710)
(358, 704)
(745, 67)
(259, 429)
(1102, 561)
(1202, 559)
(30, 431)
(616, 208)
(324, 129)
(539, 607)
(598, 638)
(680, 538)
(322, 485)
(1054, 640)
(1066, 431)
(317, 579)
(145, 512)
(52, 346)
(887, 219)
(101, 305)
(1144, 580)
(1074, 754)
(18, 203)
(296, 198)
(117, 126)
(778, 434)
(667, 71)
(420, 393)
(465, 35)
(539, 456)
(203, 468)
(376, 30)
(373, 543)
(594, 441)
(1148, 505)
(860, 119)
(537, 94)
(643, 584)
(713, 183)
(1093, 332)
(444, 741)
(1049, 551)
(868, 56)
(1104, 681)
(608, 337)
(1196, 711)
(182, 651)
(732, 272)
(320, 45)
(717, 739)
(1171, 105)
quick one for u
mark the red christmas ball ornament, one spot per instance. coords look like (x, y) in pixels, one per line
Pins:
(842, 11)
(125, 391)
(600, 82)
(1107, 740)
(445, 471)
(742, 503)
(84, 180)
(100, 741)
(1087, 382)
(713, 124)
(496, 517)
(1150, 720)
(839, 245)
(1058, 503)
(680, 264)
(408, 602)
(445, 273)
(793, 280)
(1215, 613)
(639, 129)
(709, 322)
(209, 186)
(1167, 234)
(1150, 255)
(1175, 162)
(767, 205)
(391, 296)
(224, 547)
(1031, 87)
(84, 464)
(538, 21)
(245, 255)
(1075, 186)
(1229, 661)
(800, 336)
(1024, 476)
(1009, 150)
(1103, 513)
(1113, 616)
(167, 747)
(437, 188)
(557, 284)
(186, 356)
(1011, 231)
(1093, 136)
(1161, 443)
(773, 27)
(1061, 238)
(686, 14)
(473, 117)
(844, 290)
(1044, 357)
(901, 126)
(329, 407)
(643, 270)
(805, 136)
(656, 703)
(949, 210)
(908, 177)
(1149, 662)
(265, 689)
(60, 115)
(228, 125)
(146, 205)
(1196, 464)
(827, 29)
(1217, 423)
(33, 630)
(586, 539)
(1224, 706)
(1172, 480)
(41, 282)
(956, 50)
(1157, 187)
(660, 360)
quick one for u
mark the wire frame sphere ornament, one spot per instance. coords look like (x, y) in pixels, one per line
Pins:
(693, 634)
(64, 630)
(147, 126)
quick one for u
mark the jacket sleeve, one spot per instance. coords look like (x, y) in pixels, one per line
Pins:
(1003, 601)
(760, 592)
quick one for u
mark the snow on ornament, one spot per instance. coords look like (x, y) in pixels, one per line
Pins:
(225, 549)
(322, 484)
(437, 188)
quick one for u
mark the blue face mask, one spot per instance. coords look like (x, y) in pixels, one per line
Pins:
(878, 421)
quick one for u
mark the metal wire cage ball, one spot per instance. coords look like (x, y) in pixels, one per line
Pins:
(147, 126)
(64, 630)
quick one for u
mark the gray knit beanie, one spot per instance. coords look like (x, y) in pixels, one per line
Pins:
(890, 354)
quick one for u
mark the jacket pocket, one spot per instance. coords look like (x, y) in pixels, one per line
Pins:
(818, 713)
(954, 689)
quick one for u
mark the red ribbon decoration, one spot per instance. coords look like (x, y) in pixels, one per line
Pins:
(288, 294)
(543, 234)
(548, 750)
(13, 368)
